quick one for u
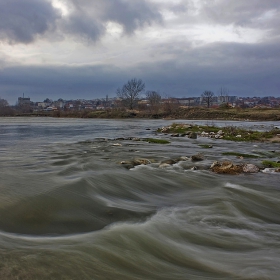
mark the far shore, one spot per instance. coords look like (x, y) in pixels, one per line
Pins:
(187, 113)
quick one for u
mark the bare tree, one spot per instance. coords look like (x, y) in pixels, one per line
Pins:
(3, 103)
(154, 97)
(207, 97)
(223, 91)
(170, 105)
(129, 93)
(5, 109)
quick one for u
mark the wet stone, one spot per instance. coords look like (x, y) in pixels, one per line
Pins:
(226, 167)
(250, 168)
(193, 135)
(197, 157)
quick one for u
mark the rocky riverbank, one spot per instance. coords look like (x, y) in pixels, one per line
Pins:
(227, 133)
(262, 162)
(189, 163)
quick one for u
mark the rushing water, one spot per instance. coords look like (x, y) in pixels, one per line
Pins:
(70, 210)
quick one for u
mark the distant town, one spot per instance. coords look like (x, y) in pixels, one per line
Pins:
(26, 104)
(152, 105)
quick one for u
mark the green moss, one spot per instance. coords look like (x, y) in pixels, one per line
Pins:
(157, 141)
(239, 155)
(205, 146)
(269, 163)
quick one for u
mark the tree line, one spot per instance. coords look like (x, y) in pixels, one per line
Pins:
(130, 93)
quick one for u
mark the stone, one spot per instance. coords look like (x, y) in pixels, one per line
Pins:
(175, 135)
(168, 161)
(197, 157)
(141, 161)
(163, 165)
(182, 158)
(215, 163)
(226, 167)
(193, 135)
(271, 170)
(250, 168)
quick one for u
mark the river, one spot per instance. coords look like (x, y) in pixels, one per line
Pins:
(70, 210)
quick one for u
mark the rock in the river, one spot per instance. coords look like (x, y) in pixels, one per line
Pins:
(135, 162)
(193, 135)
(197, 157)
(271, 170)
(163, 165)
(168, 161)
(226, 167)
(250, 168)
(182, 158)
(139, 161)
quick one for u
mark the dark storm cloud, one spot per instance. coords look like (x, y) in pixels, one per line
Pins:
(131, 14)
(22, 21)
(84, 27)
(88, 19)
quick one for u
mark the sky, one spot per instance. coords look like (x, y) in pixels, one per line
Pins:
(86, 49)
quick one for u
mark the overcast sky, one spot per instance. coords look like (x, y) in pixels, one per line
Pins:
(88, 48)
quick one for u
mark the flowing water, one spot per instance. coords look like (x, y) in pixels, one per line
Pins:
(70, 210)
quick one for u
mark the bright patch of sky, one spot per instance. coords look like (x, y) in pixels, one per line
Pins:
(62, 6)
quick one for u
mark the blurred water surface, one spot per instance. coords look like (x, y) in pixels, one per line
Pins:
(70, 210)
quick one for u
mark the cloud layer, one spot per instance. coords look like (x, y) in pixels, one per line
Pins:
(23, 21)
(86, 49)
